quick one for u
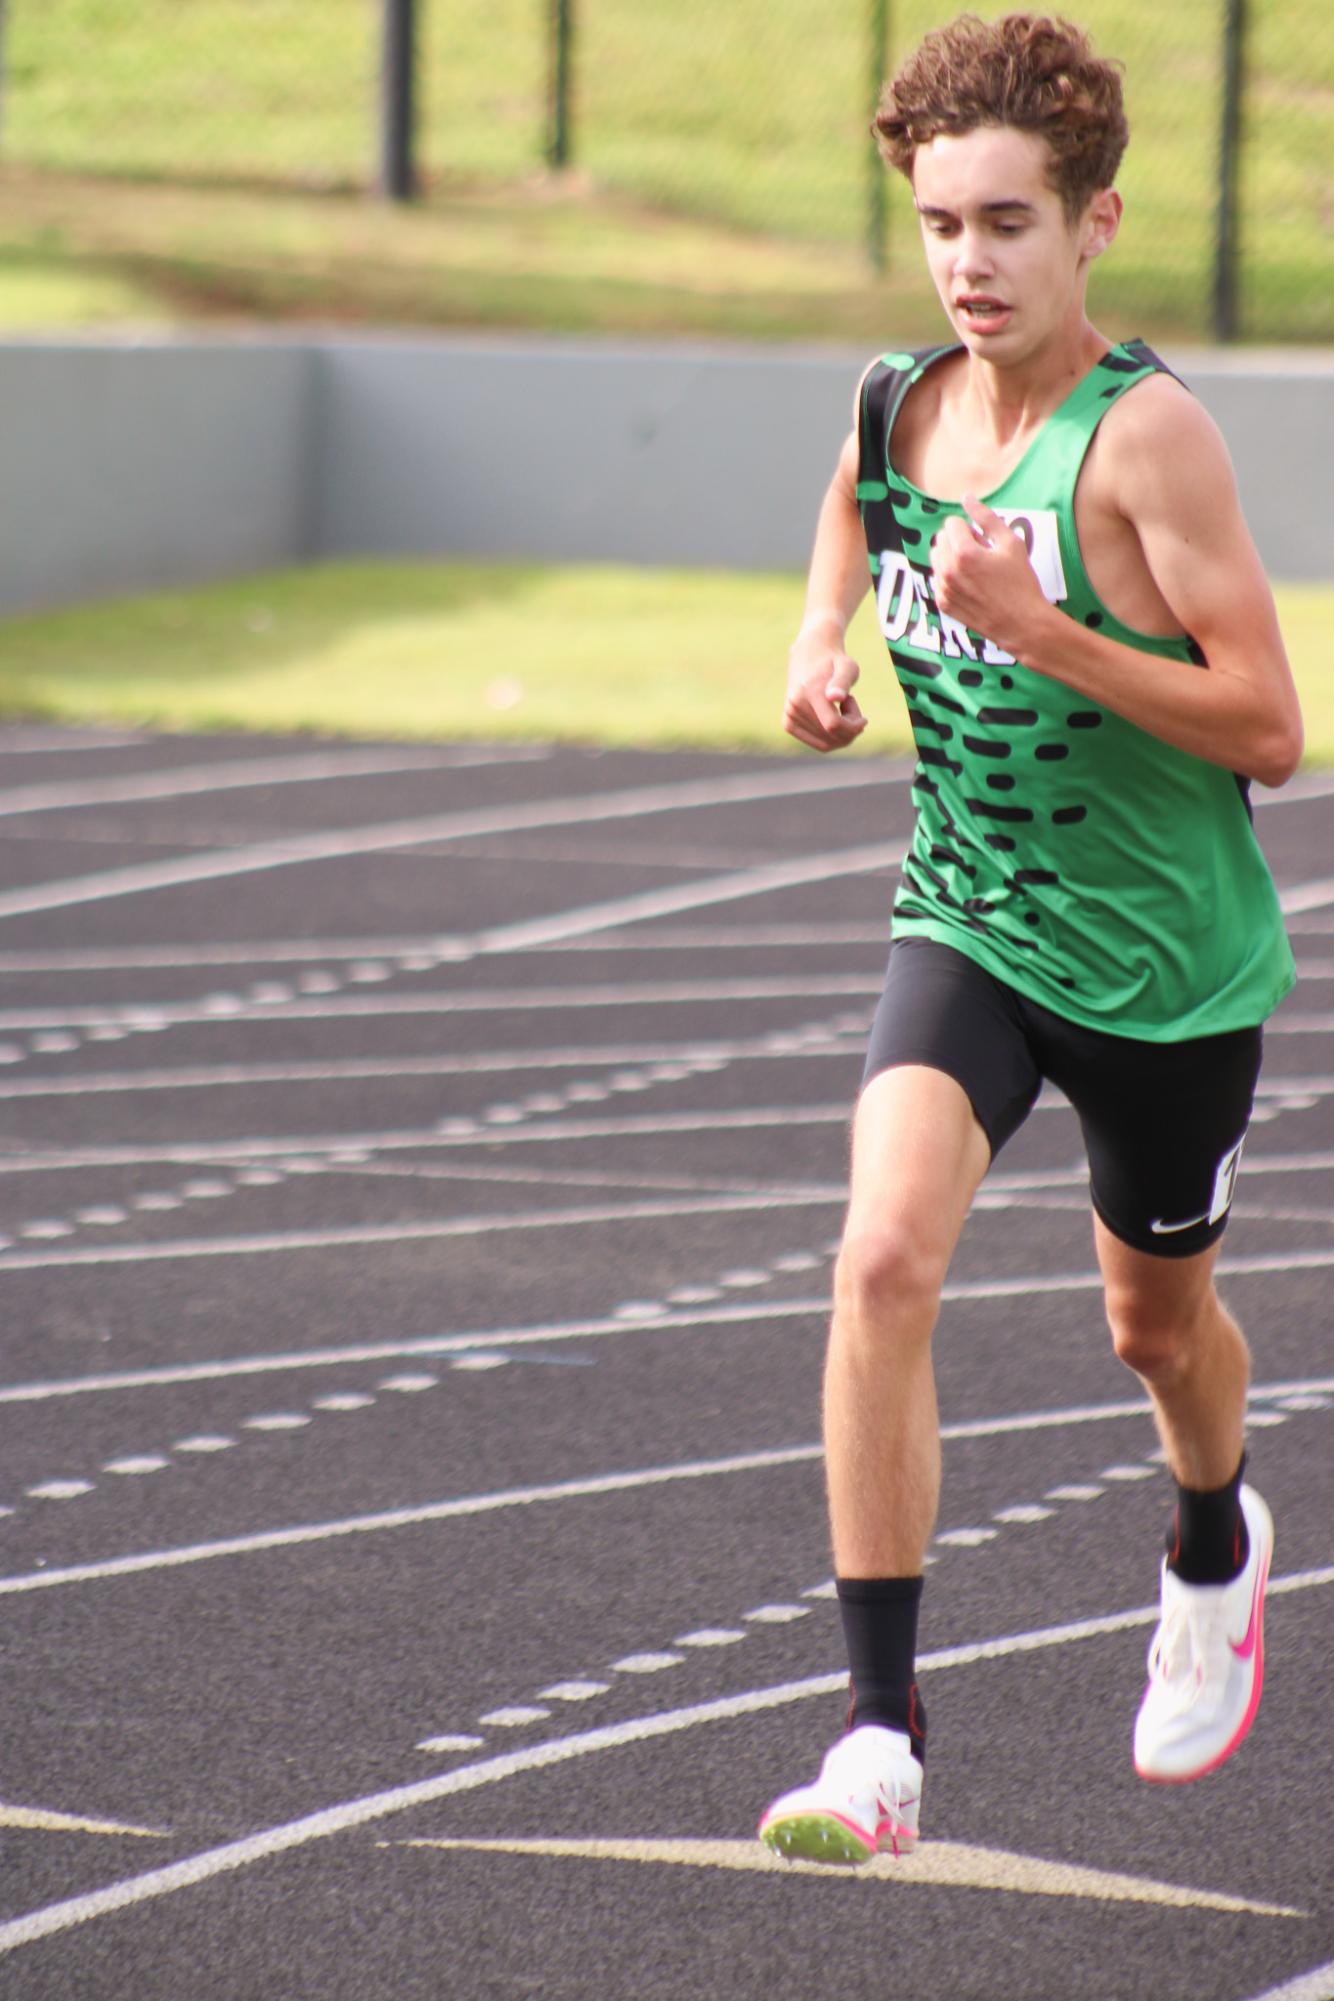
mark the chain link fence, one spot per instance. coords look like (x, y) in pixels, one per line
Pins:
(748, 114)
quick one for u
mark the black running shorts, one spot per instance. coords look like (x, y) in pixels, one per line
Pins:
(1163, 1122)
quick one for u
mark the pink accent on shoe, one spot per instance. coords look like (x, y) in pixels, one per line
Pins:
(901, 1841)
(1254, 1642)
(1243, 1649)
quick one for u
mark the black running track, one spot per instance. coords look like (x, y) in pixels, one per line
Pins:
(420, 1171)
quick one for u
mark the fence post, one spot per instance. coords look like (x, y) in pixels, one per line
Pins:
(558, 88)
(397, 178)
(877, 185)
(1225, 233)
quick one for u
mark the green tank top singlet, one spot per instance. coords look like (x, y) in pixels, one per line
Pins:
(1090, 866)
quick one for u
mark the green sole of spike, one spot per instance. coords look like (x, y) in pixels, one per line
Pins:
(815, 1837)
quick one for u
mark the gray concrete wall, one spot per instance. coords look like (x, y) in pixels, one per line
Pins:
(696, 455)
(130, 464)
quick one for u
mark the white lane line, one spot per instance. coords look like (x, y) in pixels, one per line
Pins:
(172, 1250)
(482, 1000)
(1317, 1985)
(282, 1839)
(1306, 896)
(657, 903)
(283, 1147)
(430, 951)
(292, 1241)
(209, 1077)
(651, 1125)
(398, 1518)
(227, 774)
(339, 843)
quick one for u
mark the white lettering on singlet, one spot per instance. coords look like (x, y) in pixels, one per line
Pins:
(894, 594)
(924, 636)
(903, 593)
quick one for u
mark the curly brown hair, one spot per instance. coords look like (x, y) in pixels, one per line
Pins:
(1030, 71)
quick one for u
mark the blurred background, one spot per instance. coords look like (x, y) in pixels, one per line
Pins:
(294, 241)
(660, 166)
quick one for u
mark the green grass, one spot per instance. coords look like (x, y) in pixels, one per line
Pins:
(583, 653)
(170, 162)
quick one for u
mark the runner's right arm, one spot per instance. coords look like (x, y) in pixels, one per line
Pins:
(820, 709)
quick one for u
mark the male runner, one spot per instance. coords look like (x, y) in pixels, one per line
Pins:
(1094, 671)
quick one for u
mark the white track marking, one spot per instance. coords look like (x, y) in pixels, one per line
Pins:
(662, 1125)
(653, 904)
(492, 1000)
(951, 1864)
(548, 1332)
(339, 844)
(226, 775)
(1317, 1985)
(360, 1069)
(171, 1250)
(1305, 896)
(398, 1518)
(431, 950)
(280, 1840)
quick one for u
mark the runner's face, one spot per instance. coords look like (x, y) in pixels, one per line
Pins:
(1006, 262)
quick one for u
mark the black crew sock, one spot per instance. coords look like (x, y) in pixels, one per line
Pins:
(880, 1630)
(1207, 1541)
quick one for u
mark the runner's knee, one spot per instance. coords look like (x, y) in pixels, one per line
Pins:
(889, 1274)
(1154, 1331)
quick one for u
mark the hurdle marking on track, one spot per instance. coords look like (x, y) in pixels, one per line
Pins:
(950, 1864)
(283, 1839)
